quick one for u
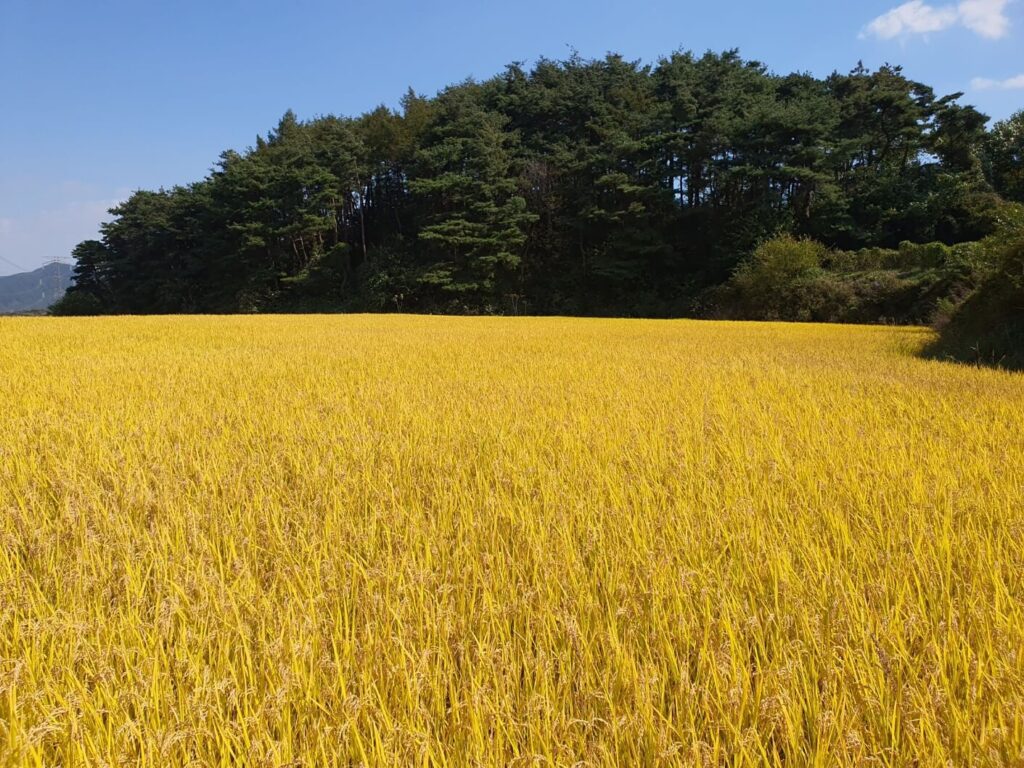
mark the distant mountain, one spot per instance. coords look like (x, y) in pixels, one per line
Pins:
(33, 291)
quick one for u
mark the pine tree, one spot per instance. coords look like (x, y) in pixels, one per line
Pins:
(1004, 157)
(474, 223)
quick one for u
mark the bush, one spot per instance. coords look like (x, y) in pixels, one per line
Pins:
(864, 260)
(766, 286)
(801, 280)
(988, 326)
(77, 304)
(909, 256)
(922, 255)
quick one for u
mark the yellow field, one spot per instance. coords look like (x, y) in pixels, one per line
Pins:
(436, 541)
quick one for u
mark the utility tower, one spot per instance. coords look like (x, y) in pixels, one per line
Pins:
(56, 283)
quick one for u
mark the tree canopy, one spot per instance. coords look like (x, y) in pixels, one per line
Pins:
(581, 186)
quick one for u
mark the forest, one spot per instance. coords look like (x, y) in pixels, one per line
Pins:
(590, 187)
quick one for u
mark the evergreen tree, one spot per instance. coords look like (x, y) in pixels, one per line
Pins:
(474, 220)
(1004, 157)
(579, 186)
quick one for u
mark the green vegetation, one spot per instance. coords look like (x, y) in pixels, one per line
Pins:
(972, 292)
(802, 280)
(988, 325)
(698, 185)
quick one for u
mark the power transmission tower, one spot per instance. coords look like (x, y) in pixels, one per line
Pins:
(56, 281)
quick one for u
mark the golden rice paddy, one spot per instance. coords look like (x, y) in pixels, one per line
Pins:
(285, 541)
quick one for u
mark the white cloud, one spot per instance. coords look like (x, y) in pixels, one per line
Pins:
(987, 84)
(913, 18)
(986, 18)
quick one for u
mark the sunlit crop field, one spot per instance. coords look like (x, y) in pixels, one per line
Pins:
(422, 541)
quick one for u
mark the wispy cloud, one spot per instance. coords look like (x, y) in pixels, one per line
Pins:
(986, 18)
(987, 84)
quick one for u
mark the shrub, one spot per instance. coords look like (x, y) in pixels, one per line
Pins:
(866, 259)
(77, 303)
(766, 286)
(922, 255)
(988, 326)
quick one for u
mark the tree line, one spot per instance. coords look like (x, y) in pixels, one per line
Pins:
(588, 187)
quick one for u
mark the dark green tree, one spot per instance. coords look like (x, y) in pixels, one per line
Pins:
(580, 186)
(474, 220)
(1004, 157)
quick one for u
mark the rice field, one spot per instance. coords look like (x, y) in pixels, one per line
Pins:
(411, 541)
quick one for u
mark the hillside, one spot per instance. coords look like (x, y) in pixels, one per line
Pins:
(33, 291)
(577, 187)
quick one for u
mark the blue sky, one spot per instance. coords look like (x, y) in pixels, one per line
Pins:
(102, 97)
